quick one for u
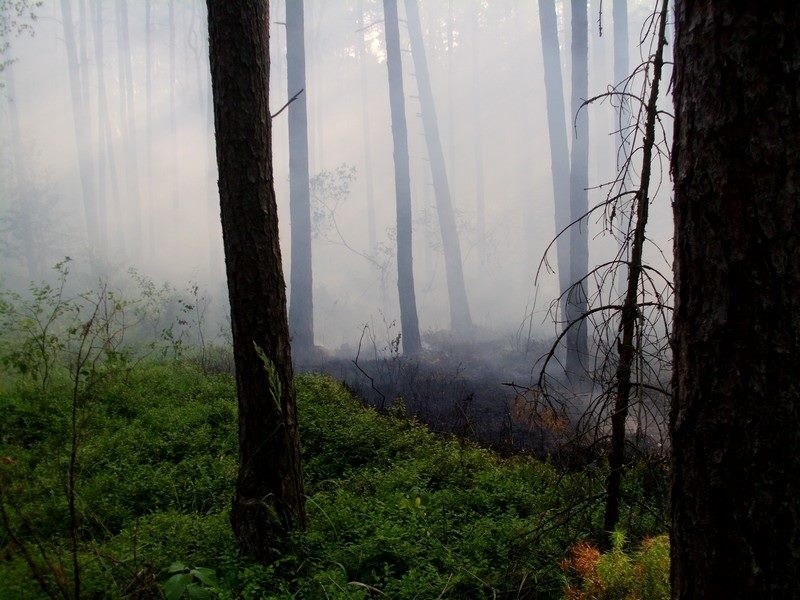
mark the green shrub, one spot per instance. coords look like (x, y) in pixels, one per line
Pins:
(616, 575)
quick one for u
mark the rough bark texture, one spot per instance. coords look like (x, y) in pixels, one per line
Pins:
(577, 303)
(460, 319)
(409, 324)
(269, 490)
(557, 132)
(301, 301)
(736, 412)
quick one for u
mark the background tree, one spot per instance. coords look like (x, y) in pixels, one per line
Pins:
(559, 149)
(269, 489)
(301, 304)
(409, 323)
(577, 303)
(460, 319)
(736, 411)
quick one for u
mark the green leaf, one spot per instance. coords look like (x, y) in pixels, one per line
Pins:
(176, 567)
(195, 591)
(176, 585)
(205, 576)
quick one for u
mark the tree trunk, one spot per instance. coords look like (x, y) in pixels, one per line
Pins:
(577, 302)
(460, 319)
(362, 59)
(630, 309)
(128, 128)
(409, 323)
(301, 302)
(106, 162)
(173, 125)
(82, 131)
(148, 37)
(559, 151)
(269, 490)
(480, 204)
(736, 394)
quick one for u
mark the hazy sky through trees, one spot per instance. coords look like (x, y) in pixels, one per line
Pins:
(496, 53)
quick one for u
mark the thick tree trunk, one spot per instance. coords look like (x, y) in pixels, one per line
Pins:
(269, 489)
(301, 302)
(460, 319)
(736, 410)
(409, 323)
(577, 302)
(559, 150)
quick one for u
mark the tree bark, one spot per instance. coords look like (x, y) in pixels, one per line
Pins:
(269, 490)
(409, 323)
(460, 319)
(735, 420)
(577, 301)
(301, 301)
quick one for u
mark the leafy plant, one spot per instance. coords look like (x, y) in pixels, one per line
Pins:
(617, 575)
(192, 582)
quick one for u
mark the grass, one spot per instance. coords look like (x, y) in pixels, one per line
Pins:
(394, 510)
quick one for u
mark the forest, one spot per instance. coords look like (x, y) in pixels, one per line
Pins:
(399, 298)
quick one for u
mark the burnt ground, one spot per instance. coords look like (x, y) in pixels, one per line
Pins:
(485, 390)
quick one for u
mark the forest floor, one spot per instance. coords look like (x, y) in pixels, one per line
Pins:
(395, 510)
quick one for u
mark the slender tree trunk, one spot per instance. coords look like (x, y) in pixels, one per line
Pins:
(151, 192)
(736, 393)
(409, 323)
(82, 131)
(106, 162)
(460, 319)
(129, 139)
(630, 309)
(559, 151)
(301, 303)
(577, 300)
(372, 232)
(269, 489)
(173, 126)
(450, 94)
(480, 204)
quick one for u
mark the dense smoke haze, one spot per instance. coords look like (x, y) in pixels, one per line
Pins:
(144, 111)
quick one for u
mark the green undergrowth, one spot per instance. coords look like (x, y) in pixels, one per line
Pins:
(394, 510)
